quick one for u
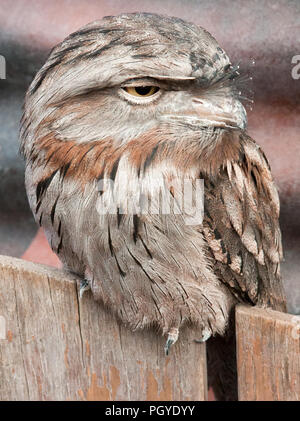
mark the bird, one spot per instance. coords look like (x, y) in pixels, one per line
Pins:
(128, 109)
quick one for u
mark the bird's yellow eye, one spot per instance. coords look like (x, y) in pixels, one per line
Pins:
(141, 90)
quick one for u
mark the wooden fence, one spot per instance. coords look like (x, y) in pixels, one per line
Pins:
(54, 346)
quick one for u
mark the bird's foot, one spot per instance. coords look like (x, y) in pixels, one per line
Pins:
(172, 338)
(206, 334)
(84, 286)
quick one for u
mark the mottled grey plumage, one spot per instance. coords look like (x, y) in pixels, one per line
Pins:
(81, 125)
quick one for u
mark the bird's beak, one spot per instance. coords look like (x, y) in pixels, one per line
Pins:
(220, 112)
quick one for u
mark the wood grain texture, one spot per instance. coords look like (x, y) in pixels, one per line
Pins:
(268, 355)
(60, 348)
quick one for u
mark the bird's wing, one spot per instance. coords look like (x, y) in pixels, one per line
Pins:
(241, 227)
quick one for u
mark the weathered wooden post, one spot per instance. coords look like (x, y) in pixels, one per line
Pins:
(268, 355)
(57, 347)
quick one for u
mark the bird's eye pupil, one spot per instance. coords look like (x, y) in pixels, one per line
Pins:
(143, 90)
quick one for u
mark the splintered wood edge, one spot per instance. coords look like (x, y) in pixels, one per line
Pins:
(16, 264)
(265, 313)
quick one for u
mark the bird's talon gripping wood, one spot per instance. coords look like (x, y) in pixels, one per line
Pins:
(84, 286)
(172, 338)
(206, 334)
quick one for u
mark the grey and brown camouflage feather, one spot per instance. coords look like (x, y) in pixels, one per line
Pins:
(80, 127)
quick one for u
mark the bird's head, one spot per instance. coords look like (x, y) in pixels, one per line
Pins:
(123, 77)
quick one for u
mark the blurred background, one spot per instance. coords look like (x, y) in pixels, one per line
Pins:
(261, 35)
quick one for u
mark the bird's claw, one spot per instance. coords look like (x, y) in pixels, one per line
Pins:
(206, 334)
(172, 338)
(84, 286)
